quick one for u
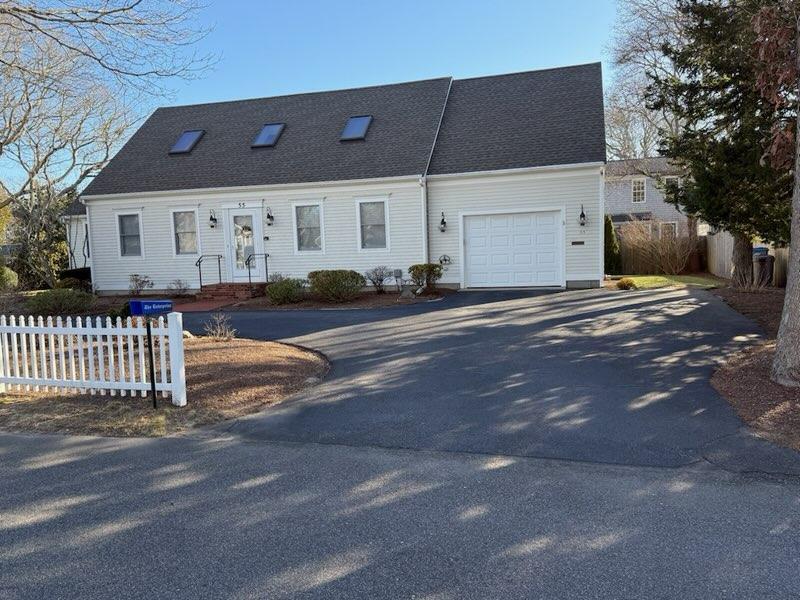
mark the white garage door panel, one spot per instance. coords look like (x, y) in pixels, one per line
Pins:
(513, 249)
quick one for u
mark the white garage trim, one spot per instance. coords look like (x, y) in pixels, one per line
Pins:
(485, 213)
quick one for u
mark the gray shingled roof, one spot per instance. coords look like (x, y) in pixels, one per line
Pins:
(655, 165)
(532, 119)
(75, 208)
(528, 119)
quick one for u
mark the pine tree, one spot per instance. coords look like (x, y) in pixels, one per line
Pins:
(724, 125)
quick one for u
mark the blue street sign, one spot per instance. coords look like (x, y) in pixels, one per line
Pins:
(149, 307)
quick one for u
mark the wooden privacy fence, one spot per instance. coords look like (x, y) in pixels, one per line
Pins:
(720, 258)
(92, 355)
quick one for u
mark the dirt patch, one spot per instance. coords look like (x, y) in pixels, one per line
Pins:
(365, 300)
(225, 379)
(763, 306)
(772, 410)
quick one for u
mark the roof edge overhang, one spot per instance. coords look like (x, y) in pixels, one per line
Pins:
(518, 171)
(254, 188)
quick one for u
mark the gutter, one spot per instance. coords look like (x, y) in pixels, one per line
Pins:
(423, 180)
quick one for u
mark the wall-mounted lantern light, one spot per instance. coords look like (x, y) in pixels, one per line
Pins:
(582, 217)
(212, 220)
(270, 218)
(443, 224)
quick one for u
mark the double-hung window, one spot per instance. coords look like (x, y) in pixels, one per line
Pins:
(184, 230)
(130, 234)
(372, 231)
(308, 227)
(638, 190)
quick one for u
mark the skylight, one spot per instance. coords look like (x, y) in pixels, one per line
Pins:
(187, 141)
(356, 128)
(269, 135)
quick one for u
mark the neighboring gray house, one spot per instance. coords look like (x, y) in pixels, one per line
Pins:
(633, 191)
(499, 178)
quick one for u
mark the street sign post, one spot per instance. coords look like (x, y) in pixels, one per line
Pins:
(148, 309)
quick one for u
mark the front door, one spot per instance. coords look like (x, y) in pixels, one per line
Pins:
(244, 239)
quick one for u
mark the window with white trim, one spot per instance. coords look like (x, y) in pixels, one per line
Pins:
(308, 224)
(668, 230)
(184, 231)
(130, 234)
(671, 180)
(638, 190)
(372, 224)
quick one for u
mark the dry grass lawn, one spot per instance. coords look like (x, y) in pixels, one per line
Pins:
(225, 379)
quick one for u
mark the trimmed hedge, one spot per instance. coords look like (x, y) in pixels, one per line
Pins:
(339, 285)
(60, 301)
(426, 275)
(286, 291)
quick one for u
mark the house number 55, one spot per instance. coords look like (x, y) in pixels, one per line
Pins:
(242, 204)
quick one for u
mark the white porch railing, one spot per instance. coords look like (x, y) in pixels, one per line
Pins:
(92, 355)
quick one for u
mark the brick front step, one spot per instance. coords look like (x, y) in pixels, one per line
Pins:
(235, 291)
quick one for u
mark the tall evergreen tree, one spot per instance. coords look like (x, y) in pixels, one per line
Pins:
(724, 125)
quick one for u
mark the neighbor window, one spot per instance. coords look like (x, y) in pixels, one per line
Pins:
(184, 228)
(668, 230)
(308, 223)
(372, 224)
(130, 238)
(638, 190)
(671, 180)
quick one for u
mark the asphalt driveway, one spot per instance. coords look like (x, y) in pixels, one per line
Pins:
(544, 446)
(594, 376)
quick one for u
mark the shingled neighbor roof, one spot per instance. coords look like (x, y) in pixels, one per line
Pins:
(76, 208)
(656, 165)
(508, 121)
(532, 119)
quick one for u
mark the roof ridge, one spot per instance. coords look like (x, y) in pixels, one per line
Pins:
(525, 72)
(315, 92)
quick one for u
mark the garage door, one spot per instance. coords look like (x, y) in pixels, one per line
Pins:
(519, 249)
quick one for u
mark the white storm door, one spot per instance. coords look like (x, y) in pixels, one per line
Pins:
(513, 250)
(244, 238)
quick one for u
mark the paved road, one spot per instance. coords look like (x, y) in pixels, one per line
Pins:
(478, 489)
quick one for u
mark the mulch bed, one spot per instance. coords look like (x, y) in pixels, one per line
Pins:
(365, 300)
(225, 379)
(772, 410)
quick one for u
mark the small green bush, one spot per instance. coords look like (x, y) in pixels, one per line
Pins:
(8, 279)
(60, 302)
(123, 311)
(426, 275)
(286, 291)
(626, 283)
(336, 285)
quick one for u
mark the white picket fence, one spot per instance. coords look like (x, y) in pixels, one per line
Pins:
(92, 355)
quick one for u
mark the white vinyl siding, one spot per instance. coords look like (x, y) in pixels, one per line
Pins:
(78, 241)
(564, 189)
(339, 232)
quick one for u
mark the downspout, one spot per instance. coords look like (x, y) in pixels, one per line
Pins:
(423, 181)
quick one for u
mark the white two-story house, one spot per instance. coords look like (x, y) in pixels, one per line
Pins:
(499, 179)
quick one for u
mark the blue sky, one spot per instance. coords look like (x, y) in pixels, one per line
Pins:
(272, 47)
